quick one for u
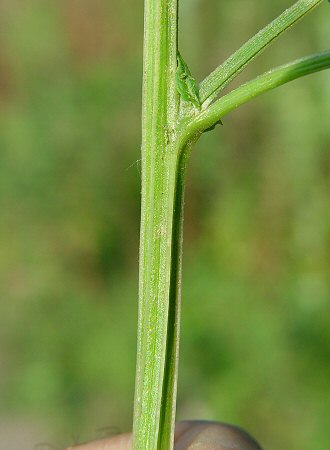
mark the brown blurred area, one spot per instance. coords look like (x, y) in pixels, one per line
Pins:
(255, 334)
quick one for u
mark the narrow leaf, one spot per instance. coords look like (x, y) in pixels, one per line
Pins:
(226, 72)
(248, 91)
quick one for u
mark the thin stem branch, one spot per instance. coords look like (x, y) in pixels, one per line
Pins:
(226, 72)
(269, 80)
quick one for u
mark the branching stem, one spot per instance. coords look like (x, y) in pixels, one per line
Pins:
(168, 133)
(246, 92)
(233, 66)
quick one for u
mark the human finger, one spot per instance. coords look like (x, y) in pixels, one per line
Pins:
(189, 435)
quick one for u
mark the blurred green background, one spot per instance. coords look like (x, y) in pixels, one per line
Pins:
(255, 325)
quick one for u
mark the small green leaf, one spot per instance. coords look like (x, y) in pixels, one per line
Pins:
(186, 85)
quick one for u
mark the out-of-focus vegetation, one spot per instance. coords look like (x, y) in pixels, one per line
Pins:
(255, 327)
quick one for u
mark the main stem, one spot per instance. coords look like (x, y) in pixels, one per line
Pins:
(163, 168)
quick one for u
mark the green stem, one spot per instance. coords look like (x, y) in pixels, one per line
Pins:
(166, 142)
(250, 90)
(222, 75)
(160, 239)
(167, 418)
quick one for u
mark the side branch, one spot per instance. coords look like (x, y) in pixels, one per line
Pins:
(226, 72)
(270, 80)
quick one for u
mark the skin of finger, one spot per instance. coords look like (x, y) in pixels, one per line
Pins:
(205, 435)
(189, 435)
(120, 442)
(124, 441)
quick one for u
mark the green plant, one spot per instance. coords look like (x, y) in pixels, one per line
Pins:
(176, 112)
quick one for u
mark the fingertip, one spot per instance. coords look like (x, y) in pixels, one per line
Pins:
(204, 435)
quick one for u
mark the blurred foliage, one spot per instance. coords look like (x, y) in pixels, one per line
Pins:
(255, 333)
